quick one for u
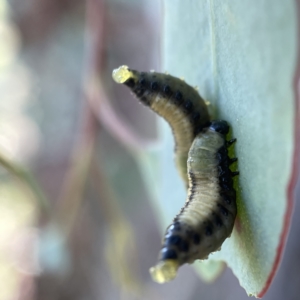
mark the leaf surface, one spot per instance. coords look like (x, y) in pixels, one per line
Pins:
(243, 58)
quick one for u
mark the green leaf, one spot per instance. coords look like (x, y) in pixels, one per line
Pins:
(242, 55)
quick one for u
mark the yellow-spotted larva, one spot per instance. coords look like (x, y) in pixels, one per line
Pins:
(176, 101)
(208, 216)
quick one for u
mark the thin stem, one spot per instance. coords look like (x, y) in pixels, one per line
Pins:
(28, 180)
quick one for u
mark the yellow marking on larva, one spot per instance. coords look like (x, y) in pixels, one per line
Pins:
(164, 271)
(122, 74)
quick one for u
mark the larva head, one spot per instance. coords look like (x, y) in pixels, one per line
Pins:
(220, 126)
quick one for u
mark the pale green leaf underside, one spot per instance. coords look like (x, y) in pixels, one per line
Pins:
(242, 55)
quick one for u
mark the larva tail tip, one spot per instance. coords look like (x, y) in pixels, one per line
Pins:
(121, 74)
(164, 271)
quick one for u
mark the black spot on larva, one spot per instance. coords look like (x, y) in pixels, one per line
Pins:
(223, 173)
(221, 170)
(227, 199)
(130, 82)
(189, 233)
(222, 154)
(168, 254)
(223, 210)
(175, 226)
(195, 117)
(178, 98)
(184, 246)
(167, 90)
(145, 100)
(208, 231)
(226, 182)
(142, 81)
(226, 177)
(140, 92)
(219, 157)
(154, 86)
(196, 239)
(173, 240)
(188, 107)
(218, 221)
(225, 186)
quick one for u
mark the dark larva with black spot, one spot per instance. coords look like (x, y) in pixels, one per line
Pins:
(177, 102)
(208, 216)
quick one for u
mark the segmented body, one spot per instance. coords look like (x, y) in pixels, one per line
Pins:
(208, 216)
(177, 102)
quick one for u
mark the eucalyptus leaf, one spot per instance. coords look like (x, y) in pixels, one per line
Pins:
(242, 55)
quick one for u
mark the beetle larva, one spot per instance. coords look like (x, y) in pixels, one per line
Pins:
(209, 213)
(177, 102)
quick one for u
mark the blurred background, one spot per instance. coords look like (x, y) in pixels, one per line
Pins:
(75, 217)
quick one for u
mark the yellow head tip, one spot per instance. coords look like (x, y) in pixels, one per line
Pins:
(164, 271)
(121, 74)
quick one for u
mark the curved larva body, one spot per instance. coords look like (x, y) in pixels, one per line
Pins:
(209, 213)
(177, 102)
